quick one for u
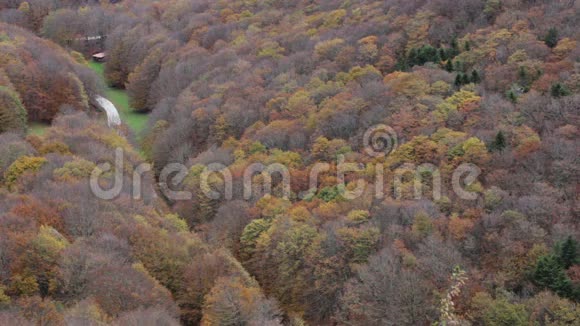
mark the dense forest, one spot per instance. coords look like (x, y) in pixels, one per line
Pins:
(294, 86)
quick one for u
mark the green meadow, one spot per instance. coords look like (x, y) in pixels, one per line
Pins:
(136, 121)
(37, 128)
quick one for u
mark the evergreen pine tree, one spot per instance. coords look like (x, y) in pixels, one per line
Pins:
(524, 78)
(422, 55)
(475, 77)
(458, 80)
(449, 66)
(443, 54)
(512, 96)
(454, 47)
(549, 274)
(569, 254)
(402, 64)
(558, 90)
(458, 66)
(551, 38)
(413, 59)
(465, 79)
(449, 52)
(436, 56)
(499, 143)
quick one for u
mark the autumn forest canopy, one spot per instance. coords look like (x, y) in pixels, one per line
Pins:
(457, 122)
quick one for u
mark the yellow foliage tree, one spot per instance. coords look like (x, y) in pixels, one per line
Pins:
(407, 84)
(21, 166)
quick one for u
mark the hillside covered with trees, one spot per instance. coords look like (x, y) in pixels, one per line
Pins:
(38, 78)
(489, 84)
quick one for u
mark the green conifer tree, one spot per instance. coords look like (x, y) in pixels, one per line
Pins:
(559, 90)
(467, 46)
(465, 79)
(458, 80)
(449, 66)
(475, 77)
(569, 254)
(550, 274)
(499, 142)
(442, 54)
(454, 47)
(551, 38)
(512, 96)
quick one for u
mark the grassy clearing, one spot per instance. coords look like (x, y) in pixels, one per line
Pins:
(37, 128)
(136, 121)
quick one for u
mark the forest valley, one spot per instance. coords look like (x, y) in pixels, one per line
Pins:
(489, 83)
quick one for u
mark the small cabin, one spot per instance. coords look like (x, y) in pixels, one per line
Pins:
(99, 57)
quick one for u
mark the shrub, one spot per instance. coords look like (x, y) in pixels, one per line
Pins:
(21, 166)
